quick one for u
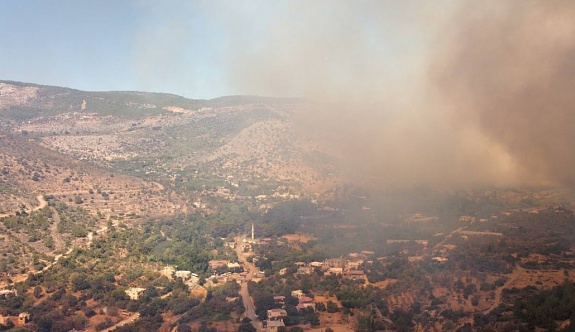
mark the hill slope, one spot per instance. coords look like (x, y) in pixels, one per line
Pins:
(163, 136)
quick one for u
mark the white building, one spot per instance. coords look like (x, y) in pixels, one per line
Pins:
(185, 275)
(233, 265)
(135, 293)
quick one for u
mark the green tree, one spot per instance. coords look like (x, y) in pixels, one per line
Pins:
(246, 326)
(331, 307)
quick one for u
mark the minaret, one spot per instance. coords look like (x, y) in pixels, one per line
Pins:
(253, 233)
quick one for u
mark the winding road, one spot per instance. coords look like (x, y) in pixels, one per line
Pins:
(40, 199)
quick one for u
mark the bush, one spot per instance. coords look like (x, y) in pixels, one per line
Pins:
(332, 307)
(104, 325)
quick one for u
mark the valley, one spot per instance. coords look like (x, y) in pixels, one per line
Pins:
(131, 211)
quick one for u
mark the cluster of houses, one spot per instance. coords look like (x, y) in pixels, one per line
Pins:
(217, 264)
(304, 301)
(266, 201)
(188, 277)
(276, 316)
(275, 319)
(347, 268)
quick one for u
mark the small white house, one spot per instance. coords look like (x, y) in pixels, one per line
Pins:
(135, 293)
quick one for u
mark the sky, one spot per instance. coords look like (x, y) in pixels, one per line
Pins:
(445, 91)
(111, 45)
(204, 49)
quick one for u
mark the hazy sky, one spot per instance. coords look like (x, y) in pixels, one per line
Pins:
(199, 48)
(111, 45)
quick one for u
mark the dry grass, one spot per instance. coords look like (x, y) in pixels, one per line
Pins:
(305, 238)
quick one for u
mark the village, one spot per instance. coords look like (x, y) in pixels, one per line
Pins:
(243, 271)
(123, 211)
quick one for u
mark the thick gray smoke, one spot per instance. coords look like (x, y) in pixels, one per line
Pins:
(452, 93)
(509, 69)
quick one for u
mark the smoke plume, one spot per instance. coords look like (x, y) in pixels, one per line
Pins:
(508, 69)
(414, 92)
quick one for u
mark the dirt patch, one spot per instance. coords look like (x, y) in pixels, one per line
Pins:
(544, 278)
(97, 319)
(385, 283)
(337, 321)
(335, 327)
(299, 237)
(220, 326)
(199, 293)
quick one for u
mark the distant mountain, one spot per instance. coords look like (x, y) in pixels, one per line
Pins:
(21, 101)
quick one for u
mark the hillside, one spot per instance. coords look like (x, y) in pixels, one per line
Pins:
(163, 136)
(97, 177)
(131, 157)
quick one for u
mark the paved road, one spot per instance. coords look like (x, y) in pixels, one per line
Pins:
(250, 309)
(244, 292)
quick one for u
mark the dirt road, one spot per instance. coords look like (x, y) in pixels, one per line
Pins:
(517, 272)
(130, 319)
(450, 235)
(42, 201)
(42, 204)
